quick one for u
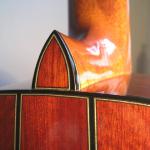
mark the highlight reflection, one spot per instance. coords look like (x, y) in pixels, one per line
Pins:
(102, 56)
(103, 48)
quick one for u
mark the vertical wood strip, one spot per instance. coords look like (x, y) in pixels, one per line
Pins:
(7, 121)
(122, 125)
(54, 122)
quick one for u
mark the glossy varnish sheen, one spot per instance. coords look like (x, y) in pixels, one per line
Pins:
(102, 48)
(57, 123)
(122, 126)
(7, 122)
(100, 52)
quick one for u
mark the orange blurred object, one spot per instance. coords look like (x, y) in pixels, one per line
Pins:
(104, 51)
(98, 59)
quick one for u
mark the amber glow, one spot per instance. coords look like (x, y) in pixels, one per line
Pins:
(104, 52)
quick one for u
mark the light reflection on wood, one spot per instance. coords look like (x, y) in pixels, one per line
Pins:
(104, 52)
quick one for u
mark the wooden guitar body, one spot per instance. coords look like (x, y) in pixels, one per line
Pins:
(100, 52)
(55, 115)
(83, 95)
(67, 76)
(48, 119)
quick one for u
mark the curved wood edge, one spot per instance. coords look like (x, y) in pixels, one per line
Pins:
(97, 28)
(72, 71)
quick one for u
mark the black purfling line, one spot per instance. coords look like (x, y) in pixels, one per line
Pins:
(38, 61)
(18, 113)
(91, 96)
(127, 98)
(74, 81)
(92, 123)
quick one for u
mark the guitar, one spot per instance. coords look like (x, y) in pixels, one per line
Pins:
(83, 96)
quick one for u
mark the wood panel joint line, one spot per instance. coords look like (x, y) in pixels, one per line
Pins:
(92, 123)
(18, 117)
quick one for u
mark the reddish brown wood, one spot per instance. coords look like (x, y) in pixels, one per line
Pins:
(7, 122)
(57, 123)
(52, 70)
(122, 126)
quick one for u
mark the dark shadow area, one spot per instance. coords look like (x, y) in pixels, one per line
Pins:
(72, 22)
(74, 30)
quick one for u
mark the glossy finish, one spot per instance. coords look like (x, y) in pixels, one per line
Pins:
(100, 53)
(122, 126)
(7, 122)
(102, 50)
(71, 120)
(58, 123)
(48, 78)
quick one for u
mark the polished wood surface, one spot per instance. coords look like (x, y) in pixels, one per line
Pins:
(52, 71)
(122, 126)
(7, 122)
(102, 50)
(67, 118)
(58, 123)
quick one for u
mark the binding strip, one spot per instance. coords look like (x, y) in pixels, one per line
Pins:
(70, 65)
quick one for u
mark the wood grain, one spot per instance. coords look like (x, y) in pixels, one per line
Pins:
(57, 123)
(7, 122)
(122, 126)
(52, 72)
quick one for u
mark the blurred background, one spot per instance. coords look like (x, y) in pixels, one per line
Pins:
(26, 25)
